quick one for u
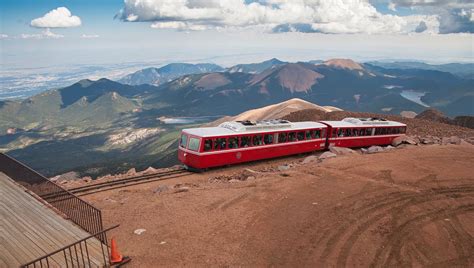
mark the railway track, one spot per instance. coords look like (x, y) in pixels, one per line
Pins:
(125, 182)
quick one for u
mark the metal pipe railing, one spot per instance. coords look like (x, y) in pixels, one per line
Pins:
(75, 254)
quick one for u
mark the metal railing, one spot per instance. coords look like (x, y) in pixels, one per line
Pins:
(77, 210)
(76, 254)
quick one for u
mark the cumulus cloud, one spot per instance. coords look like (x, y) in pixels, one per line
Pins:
(325, 16)
(454, 16)
(3, 36)
(60, 17)
(89, 36)
(45, 34)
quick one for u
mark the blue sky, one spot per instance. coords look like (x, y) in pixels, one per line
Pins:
(204, 31)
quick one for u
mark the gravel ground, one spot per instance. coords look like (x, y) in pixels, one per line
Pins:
(402, 207)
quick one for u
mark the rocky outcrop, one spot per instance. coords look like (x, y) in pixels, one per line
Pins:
(341, 150)
(327, 155)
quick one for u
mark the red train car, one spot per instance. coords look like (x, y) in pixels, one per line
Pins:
(243, 141)
(362, 132)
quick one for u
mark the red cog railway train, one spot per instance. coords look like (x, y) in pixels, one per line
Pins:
(244, 141)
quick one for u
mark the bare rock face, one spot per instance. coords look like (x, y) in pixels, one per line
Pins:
(132, 171)
(283, 167)
(327, 155)
(69, 176)
(404, 139)
(149, 170)
(341, 150)
(309, 159)
(451, 140)
(373, 150)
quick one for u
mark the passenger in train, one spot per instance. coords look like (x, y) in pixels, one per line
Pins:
(207, 145)
(245, 141)
(340, 133)
(292, 136)
(233, 143)
(268, 139)
(257, 140)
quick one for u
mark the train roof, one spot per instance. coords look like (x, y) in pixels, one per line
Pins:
(364, 122)
(243, 127)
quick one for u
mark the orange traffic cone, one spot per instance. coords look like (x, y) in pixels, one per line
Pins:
(115, 256)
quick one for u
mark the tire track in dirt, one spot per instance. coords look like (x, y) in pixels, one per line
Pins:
(394, 244)
(375, 210)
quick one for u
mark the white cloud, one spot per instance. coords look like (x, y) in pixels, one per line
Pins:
(392, 6)
(60, 17)
(90, 36)
(3, 36)
(45, 34)
(326, 16)
(454, 16)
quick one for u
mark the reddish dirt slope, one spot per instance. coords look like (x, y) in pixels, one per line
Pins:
(344, 64)
(403, 207)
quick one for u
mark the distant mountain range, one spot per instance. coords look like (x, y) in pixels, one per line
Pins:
(158, 76)
(254, 68)
(465, 70)
(80, 124)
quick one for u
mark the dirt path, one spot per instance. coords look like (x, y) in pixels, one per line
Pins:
(412, 206)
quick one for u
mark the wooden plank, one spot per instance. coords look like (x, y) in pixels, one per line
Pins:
(29, 229)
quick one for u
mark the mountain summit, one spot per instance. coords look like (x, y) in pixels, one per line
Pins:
(344, 64)
(256, 67)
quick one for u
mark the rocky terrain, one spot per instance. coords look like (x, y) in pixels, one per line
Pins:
(437, 116)
(410, 205)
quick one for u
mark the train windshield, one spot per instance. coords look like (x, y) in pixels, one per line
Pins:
(193, 144)
(184, 140)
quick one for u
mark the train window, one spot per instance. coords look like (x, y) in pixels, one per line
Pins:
(323, 133)
(207, 145)
(220, 143)
(245, 141)
(334, 133)
(193, 144)
(233, 142)
(268, 138)
(356, 132)
(184, 140)
(347, 132)
(362, 132)
(377, 131)
(315, 133)
(292, 136)
(368, 132)
(308, 134)
(282, 137)
(257, 140)
(300, 135)
(340, 133)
